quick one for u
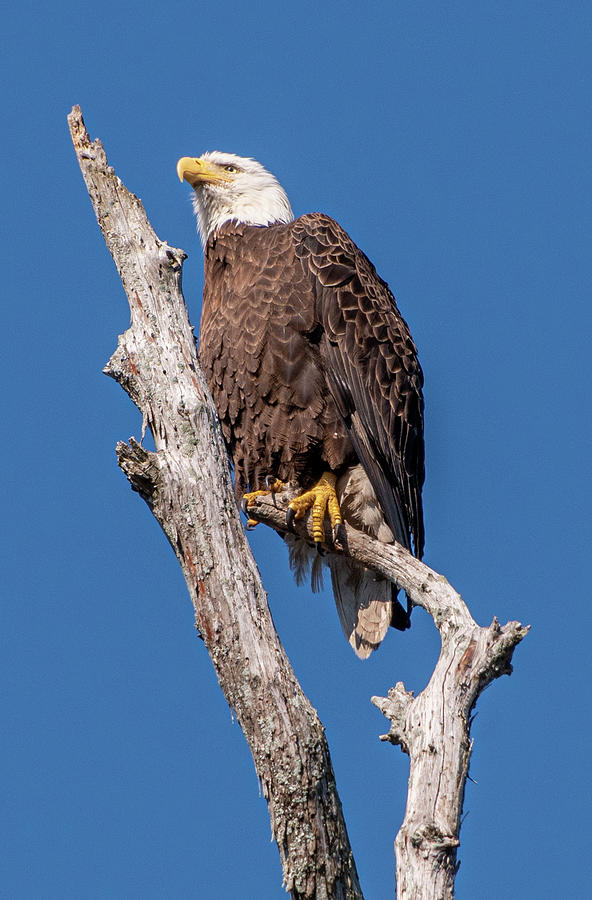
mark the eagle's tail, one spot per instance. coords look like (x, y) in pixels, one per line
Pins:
(366, 603)
(363, 602)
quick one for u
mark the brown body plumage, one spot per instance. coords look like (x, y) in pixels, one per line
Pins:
(312, 368)
(311, 365)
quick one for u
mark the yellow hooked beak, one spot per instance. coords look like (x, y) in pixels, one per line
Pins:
(196, 170)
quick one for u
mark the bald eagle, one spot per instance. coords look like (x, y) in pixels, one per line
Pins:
(314, 375)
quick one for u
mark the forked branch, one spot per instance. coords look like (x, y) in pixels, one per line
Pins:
(187, 485)
(434, 727)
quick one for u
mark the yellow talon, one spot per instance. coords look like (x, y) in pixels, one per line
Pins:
(323, 499)
(273, 486)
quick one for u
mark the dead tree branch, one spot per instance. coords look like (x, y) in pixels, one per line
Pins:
(434, 727)
(187, 485)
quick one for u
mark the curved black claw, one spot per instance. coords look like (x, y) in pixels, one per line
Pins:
(244, 506)
(339, 534)
(290, 518)
(320, 549)
(269, 481)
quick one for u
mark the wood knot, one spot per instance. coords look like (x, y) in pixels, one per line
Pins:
(140, 467)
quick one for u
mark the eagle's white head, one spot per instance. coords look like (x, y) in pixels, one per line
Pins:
(229, 188)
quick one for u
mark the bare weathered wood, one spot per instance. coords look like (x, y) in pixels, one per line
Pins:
(186, 483)
(434, 727)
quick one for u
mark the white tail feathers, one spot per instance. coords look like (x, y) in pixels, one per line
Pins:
(364, 604)
(364, 601)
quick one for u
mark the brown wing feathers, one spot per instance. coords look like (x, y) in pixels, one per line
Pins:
(311, 364)
(372, 369)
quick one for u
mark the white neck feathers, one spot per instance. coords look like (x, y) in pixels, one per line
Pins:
(253, 197)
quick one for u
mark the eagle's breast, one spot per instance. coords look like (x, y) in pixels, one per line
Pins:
(259, 349)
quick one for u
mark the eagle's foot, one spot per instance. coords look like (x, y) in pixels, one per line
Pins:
(322, 499)
(273, 486)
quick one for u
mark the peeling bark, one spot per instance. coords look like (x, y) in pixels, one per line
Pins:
(187, 485)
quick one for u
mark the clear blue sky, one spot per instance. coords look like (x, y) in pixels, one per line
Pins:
(453, 142)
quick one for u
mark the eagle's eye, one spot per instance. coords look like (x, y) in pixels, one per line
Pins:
(231, 169)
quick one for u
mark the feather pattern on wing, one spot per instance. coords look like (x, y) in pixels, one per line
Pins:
(312, 367)
(372, 370)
